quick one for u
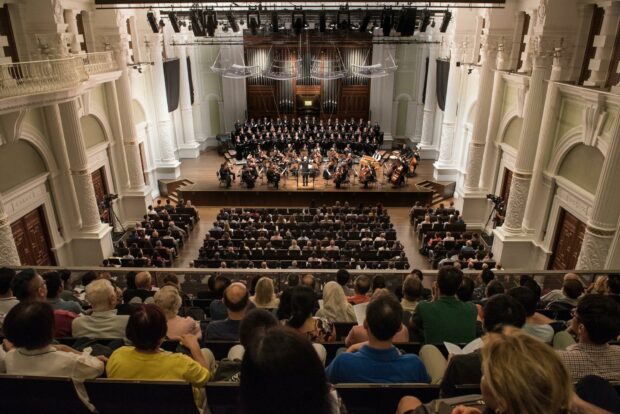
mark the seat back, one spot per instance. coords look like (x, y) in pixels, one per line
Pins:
(130, 396)
(223, 397)
(382, 398)
(25, 394)
(343, 329)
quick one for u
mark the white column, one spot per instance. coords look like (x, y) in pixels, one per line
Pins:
(8, 251)
(532, 116)
(167, 165)
(190, 148)
(70, 18)
(445, 167)
(382, 94)
(430, 106)
(423, 52)
(604, 43)
(233, 90)
(194, 60)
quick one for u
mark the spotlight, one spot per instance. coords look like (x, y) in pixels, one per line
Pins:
(445, 22)
(406, 22)
(426, 19)
(211, 22)
(433, 23)
(174, 22)
(195, 17)
(161, 25)
(322, 22)
(365, 21)
(299, 20)
(232, 21)
(150, 16)
(253, 17)
(344, 24)
(387, 20)
(274, 22)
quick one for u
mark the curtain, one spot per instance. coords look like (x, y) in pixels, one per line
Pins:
(171, 75)
(443, 70)
(189, 79)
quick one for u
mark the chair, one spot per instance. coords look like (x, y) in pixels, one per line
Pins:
(343, 329)
(128, 397)
(223, 397)
(382, 398)
(24, 394)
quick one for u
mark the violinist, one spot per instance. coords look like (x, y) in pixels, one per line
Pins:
(341, 174)
(367, 175)
(273, 175)
(226, 174)
(249, 176)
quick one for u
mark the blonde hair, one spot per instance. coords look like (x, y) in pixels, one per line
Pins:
(264, 291)
(524, 375)
(336, 308)
(169, 300)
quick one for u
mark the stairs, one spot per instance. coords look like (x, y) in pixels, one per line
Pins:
(441, 190)
(169, 188)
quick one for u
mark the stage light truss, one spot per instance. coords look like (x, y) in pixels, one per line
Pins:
(377, 70)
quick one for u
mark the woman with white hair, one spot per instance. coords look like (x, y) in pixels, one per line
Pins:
(265, 296)
(336, 308)
(169, 300)
(103, 322)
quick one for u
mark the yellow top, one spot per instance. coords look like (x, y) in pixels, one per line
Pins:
(127, 363)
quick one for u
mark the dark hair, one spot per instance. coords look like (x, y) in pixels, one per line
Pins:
(502, 310)
(534, 287)
(65, 275)
(613, 283)
(600, 315)
(362, 284)
(525, 297)
(20, 285)
(418, 273)
(412, 288)
(254, 324)
(302, 305)
(449, 279)
(494, 287)
(146, 327)
(343, 277)
(236, 306)
(572, 288)
(384, 316)
(465, 292)
(281, 374)
(130, 280)
(487, 276)
(53, 283)
(6, 277)
(30, 325)
(525, 279)
(293, 280)
(378, 282)
(88, 277)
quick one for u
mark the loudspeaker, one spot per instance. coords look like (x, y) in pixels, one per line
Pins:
(150, 16)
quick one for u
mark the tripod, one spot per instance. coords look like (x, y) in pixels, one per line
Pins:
(114, 220)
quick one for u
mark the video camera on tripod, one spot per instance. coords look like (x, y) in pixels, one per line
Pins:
(498, 201)
(107, 201)
(499, 209)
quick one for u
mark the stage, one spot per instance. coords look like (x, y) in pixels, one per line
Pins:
(207, 191)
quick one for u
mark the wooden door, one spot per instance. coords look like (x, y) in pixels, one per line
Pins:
(506, 182)
(567, 244)
(32, 239)
(101, 189)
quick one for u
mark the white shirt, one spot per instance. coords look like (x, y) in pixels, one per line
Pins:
(105, 324)
(6, 304)
(49, 362)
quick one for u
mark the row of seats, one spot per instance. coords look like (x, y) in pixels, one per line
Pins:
(285, 243)
(401, 264)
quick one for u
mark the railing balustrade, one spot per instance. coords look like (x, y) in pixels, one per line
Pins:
(99, 62)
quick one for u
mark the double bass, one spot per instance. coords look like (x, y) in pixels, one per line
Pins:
(397, 174)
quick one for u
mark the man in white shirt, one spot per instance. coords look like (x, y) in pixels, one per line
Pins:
(7, 300)
(103, 322)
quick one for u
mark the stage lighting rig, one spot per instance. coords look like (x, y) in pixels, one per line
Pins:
(298, 19)
(274, 22)
(174, 22)
(426, 19)
(322, 21)
(365, 21)
(447, 16)
(253, 19)
(150, 16)
(195, 17)
(210, 21)
(232, 21)
(387, 20)
(344, 24)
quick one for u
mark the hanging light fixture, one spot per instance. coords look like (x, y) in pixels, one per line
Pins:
(328, 66)
(378, 70)
(283, 68)
(228, 69)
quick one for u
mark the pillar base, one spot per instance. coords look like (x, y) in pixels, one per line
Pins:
(512, 250)
(168, 170)
(428, 152)
(90, 248)
(202, 142)
(444, 172)
(475, 209)
(133, 205)
(189, 150)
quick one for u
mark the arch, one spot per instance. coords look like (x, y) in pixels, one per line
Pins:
(92, 130)
(20, 161)
(139, 116)
(512, 132)
(573, 162)
(35, 138)
(506, 119)
(403, 97)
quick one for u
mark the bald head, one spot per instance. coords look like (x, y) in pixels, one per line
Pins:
(144, 280)
(571, 276)
(236, 298)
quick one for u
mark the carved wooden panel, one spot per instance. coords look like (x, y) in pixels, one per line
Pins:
(568, 240)
(32, 239)
(100, 186)
(506, 182)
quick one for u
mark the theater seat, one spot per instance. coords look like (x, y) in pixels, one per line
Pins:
(382, 398)
(131, 397)
(24, 394)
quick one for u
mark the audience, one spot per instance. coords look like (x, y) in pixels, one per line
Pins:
(335, 306)
(361, 286)
(265, 296)
(596, 321)
(302, 308)
(379, 361)
(7, 300)
(559, 294)
(236, 298)
(343, 277)
(142, 292)
(446, 318)
(169, 301)
(536, 324)
(412, 293)
(55, 287)
(571, 292)
(103, 321)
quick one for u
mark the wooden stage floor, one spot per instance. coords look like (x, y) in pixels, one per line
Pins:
(207, 191)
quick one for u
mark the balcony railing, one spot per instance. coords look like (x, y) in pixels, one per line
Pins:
(42, 76)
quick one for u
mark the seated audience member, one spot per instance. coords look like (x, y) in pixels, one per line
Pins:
(55, 287)
(236, 300)
(379, 361)
(361, 286)
(446, 318)
(358, 334)
(67, 294)
(284, 307)
(412, 293)
(265, 296)
(343, 277)
(558, 294)
(520, 375)
(335, 306)
(169, 300)
(171, 279)
(142, 293)
(217, 309)
(486, 277)
(426, 293)
(29, 329)
(536, 324)
(28, 286)
(499, 311)
(281, 374)
(613, 287)
(571, 291)
(302, 307)
(252, 327)
(7, 300)
(103, 322)
(596, 321)
(145, 360)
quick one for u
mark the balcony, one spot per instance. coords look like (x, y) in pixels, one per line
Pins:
(45, 76)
